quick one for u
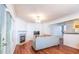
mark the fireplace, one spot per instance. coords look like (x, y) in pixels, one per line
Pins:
(22, 36)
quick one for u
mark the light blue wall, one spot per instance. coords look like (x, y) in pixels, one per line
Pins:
(56, 30)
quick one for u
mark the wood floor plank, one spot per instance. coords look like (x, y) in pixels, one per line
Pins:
(26, 48)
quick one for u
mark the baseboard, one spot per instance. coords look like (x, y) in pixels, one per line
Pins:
(68, 47)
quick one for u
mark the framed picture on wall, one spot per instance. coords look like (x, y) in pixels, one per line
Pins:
(76, 25)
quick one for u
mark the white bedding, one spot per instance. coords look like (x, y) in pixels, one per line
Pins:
(45, 42)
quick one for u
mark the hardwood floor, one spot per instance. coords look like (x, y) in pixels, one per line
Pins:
(26, 48)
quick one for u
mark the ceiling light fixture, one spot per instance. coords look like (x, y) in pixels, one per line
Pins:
(38, 17)
(38, 20)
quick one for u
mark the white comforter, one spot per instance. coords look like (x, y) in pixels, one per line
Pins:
(45, 42)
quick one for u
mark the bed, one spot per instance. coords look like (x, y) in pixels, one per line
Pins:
(42, 42)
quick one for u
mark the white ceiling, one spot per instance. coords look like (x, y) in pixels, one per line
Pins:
(51, 11)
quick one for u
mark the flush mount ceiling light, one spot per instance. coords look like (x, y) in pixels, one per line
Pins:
(38, 20)
(38, 17)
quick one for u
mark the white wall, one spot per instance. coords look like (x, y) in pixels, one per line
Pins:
(71, 40)
(43, 28)
(19, 25)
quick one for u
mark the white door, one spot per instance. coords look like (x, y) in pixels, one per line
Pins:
(5, 30)
(8, 32)
(2, 29)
